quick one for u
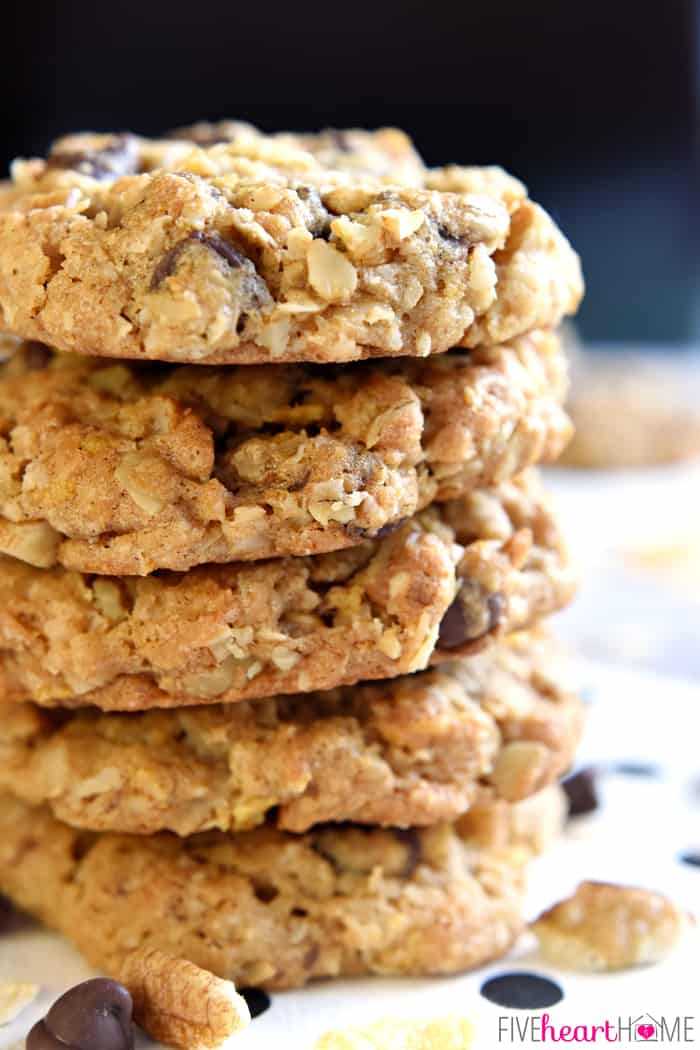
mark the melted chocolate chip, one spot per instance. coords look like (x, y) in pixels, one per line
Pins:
(341, 140)
(690, 857)
(453, 627)
(451, 237)
(119, 158)
(409, 838)
(301, 483)
(522, 991)
(6, 912)
(257, 1000)
(214, 241)
(357, 532)
(580, 790)
(36, 356)
(94, 1015)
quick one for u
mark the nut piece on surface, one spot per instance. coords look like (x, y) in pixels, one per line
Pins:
(451, 1033)
(181, 1004)
(604, 926)
(14, 998)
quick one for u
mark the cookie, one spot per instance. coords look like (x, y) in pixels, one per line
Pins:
(631, 412)
(386, 152)
(414, 751)
(268, 908)
(443, 584)
(257, 253)
(124, 468)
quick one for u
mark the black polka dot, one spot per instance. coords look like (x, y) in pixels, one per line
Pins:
(522, 991)
(691, 857)
(636, 769)
(257, 1000)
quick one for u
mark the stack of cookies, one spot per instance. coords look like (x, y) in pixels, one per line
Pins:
(274, 692)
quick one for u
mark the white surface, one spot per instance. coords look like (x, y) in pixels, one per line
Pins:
(634, 838)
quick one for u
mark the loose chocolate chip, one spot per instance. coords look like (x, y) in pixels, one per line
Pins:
(580, 790)
(257, 1000)
(94, 1015)
(168, 264)
(691, 857)
(35, 356)
(409, 838)
(453, 627)
(119, 158)
(522, 991)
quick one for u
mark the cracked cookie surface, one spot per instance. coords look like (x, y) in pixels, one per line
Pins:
(443, 584)
(411, 751)
(252, 251)
(123, 468)
(272, 909)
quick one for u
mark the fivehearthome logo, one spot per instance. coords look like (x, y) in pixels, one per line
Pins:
(623, 1030)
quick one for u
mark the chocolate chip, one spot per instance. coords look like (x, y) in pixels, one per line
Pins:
(168, 264)
(580, 791)
(6, 912)
(120, 157)
(522, 991)
(691, 857)
(94, 1015)
(341, 140)
(257, 1000)
(36, 356)
(300, 483)
(471, 615)
(453, 627)
(451, 237)
(357, 532)
(410, 839)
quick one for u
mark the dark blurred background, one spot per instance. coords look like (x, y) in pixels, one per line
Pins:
(592, 103)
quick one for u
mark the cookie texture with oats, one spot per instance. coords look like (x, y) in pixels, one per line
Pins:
(124, 468)
(411, 751)
(268, 908)
(444, 584)
(251, 251)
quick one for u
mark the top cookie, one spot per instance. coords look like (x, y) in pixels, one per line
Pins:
(267, 248)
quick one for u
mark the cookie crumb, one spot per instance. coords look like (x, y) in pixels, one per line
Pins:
(604, 926)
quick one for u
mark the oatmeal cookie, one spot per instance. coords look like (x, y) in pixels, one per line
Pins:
(409, 751)
(124, 468)
(266, 907)
(253, 253)
(443, 584)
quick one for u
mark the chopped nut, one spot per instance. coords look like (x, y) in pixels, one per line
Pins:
(129, 474)
(521, 769)
(14, 998)
(604, 926)
(35, 542)
(180, 1004)
(401, 223)
(331, 274)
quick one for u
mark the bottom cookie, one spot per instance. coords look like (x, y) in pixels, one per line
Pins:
(276, 910)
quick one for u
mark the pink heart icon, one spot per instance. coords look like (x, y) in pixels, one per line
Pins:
(646, 1030)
